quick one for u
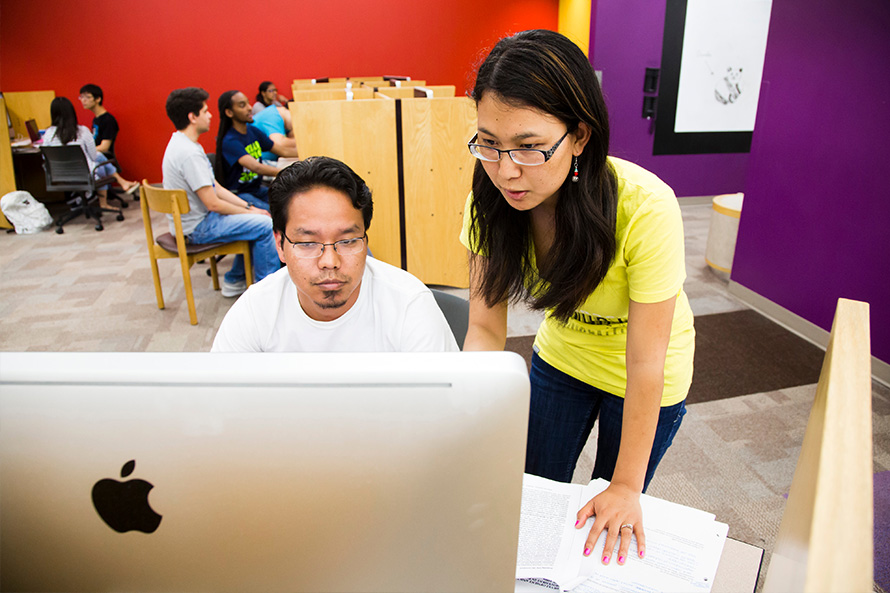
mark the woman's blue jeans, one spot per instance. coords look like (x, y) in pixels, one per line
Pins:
(563, 410)
(104, 169)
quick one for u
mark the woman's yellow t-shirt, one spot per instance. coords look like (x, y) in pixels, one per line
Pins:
(649, 267)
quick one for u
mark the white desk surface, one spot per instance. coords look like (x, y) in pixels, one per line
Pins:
(737, 572)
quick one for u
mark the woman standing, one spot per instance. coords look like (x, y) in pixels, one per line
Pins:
(65, 130)
(597, 243)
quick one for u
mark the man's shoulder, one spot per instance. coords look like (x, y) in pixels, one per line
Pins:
(275, 283)
(255, 133)
(106, 117)
(266, 115)
(179, 142)
(394, 279)
(181, 149)
(233, 140)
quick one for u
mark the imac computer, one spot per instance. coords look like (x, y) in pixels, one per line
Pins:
(261, 472)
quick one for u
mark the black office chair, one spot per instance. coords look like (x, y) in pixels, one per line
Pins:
(67, 170)
(457, 314)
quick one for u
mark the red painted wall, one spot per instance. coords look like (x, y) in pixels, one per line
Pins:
(139, 51)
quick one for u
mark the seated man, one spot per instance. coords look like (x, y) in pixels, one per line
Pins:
(104, 129)
(331, 297)
(215, 214)
(239, 146)
(276, 123)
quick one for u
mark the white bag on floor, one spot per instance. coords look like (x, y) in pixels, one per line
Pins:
(26, 214)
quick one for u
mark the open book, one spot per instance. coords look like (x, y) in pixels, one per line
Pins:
(683, 545)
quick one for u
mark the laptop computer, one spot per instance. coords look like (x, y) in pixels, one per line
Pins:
(33, 131)
(260, 472)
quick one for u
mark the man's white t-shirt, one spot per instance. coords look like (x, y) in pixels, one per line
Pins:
(394, 312)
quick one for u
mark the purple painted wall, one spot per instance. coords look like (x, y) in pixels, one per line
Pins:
(816, 219)
(625, 39)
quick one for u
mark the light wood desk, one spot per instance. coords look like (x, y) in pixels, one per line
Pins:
(7, 173)
(22, 106)
(737, 572)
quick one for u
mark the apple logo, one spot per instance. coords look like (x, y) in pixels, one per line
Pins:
(124, 505)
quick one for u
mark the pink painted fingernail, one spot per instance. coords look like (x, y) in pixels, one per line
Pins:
(587, 551)
(578, 522)
(621, 560)
(605, 559)
(642, 553)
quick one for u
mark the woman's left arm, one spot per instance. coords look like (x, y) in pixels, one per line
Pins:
(648, 334)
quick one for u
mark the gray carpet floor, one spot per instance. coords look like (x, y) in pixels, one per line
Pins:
(92, 291)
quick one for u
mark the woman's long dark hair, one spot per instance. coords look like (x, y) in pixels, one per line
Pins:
(264, 86)
(545, 70)
(220, 167)
(61, 111)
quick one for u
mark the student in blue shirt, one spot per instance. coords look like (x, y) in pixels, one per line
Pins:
(276, 123)
(239, 147)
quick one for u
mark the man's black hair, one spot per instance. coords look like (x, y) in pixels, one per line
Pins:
(181, 102)
(317, 171)
(94, 89)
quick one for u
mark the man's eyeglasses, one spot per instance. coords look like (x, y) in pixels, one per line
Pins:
(521, 156)
(315, 250)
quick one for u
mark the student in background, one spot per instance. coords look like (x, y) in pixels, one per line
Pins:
(104, 127)
(331, 297)
(215, 213)
(65, 130)
(239, 147)
(276, 123)
(267, 96)
(597, 243)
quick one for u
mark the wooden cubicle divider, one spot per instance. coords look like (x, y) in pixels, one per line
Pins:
(362, 135)
(7, 173)
(321, 86)
(410, 92)
(412, 153)
(438, 173)
(27, 105)
(400, 83)
(825, 540)
(323, 79)
(334, 94)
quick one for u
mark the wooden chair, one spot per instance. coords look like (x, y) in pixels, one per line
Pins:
(175, 202)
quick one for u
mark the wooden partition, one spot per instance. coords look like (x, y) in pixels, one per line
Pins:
(825, 541)
(400, 83)
(29, 105)
(438, 173)
(317, 80)
(419, 171)
(321, 86)
(362, 135)
(410, 92)
(334, 95)
(7, 173)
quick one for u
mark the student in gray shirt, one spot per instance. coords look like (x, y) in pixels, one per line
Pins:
(216, 214)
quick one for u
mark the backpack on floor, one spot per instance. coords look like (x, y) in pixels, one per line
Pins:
(25, 213)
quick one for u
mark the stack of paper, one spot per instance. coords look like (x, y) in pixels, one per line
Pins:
(683, 545)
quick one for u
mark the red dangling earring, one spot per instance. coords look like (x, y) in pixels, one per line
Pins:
(575, 174)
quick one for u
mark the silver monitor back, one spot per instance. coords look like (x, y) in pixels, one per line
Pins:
(263, 472)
